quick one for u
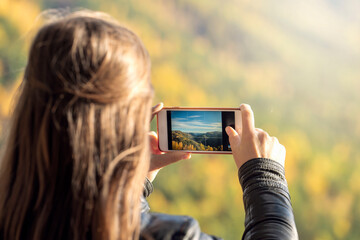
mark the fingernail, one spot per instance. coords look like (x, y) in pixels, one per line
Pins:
(157, 106)
(245, 105)
(227, 129)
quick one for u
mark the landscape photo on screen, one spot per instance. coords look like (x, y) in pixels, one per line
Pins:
(196, 130)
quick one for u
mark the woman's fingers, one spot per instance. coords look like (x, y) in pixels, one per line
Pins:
(248, 122)
(253, 142)
(234, 137)
(262, 135)
(281, 154)
(155, 109)
(159, 161)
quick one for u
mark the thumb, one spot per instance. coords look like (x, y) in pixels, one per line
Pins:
(234, 137)
(162, 160)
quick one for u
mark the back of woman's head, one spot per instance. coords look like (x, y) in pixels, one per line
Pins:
(77, 152)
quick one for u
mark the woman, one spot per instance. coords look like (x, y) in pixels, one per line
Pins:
(78, 151)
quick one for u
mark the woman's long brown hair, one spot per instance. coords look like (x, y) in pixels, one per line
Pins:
(77, 154)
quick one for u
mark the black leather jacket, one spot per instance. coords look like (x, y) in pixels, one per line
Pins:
(268, 211)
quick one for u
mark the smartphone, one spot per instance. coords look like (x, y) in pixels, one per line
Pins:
(196, 130)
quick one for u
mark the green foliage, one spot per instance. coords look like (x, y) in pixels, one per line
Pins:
(297, 63)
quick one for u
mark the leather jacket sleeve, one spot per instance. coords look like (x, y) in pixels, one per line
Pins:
(164, 226)
(268, 211)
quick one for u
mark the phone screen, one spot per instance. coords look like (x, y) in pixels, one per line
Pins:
(199, 130)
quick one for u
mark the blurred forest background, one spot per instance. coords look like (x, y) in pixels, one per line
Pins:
(297, 63)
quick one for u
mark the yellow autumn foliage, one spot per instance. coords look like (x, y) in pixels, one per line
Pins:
(301, 80)
(14, 12)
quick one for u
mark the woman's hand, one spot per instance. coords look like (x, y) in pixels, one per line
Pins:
(250, 142)
(160, 159)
